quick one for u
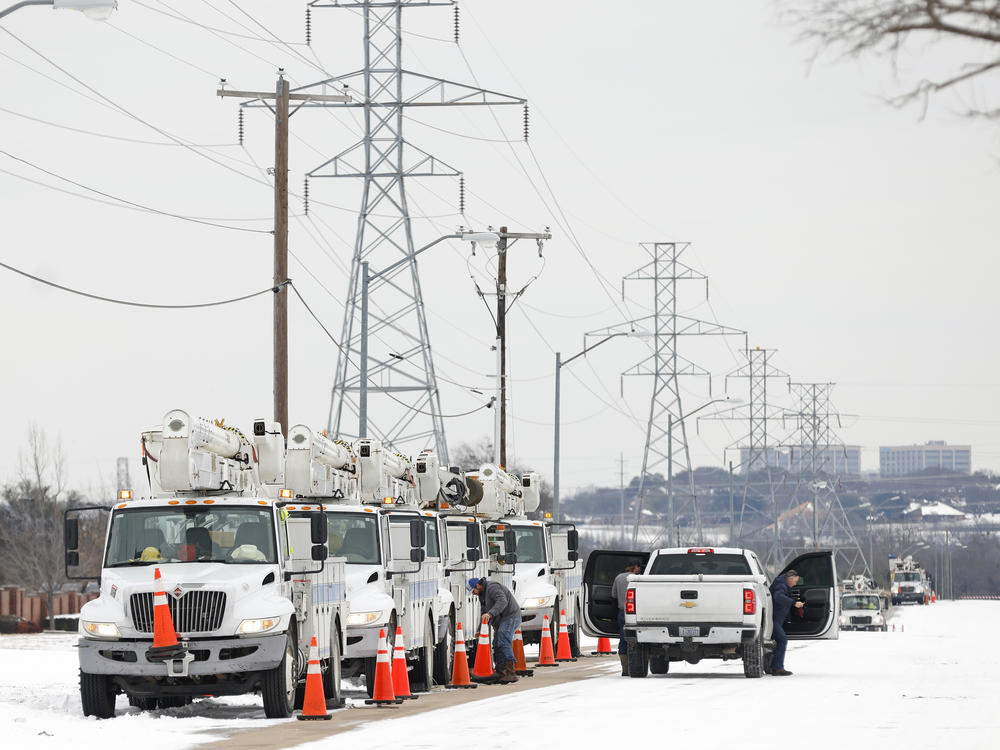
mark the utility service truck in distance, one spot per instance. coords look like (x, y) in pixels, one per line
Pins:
(395, 550)
(705, 603)
(247, 585)
(908, 582)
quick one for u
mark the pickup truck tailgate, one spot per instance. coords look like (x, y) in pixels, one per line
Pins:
(670, 598)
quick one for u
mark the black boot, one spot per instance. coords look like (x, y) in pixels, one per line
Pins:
(623, 658)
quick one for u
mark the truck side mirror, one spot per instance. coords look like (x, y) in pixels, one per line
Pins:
(72, 558)
(573, 541)
(319, 552)
(472, 536)
(509, 542)
(510, 558)
(71, 534)
(418, 555)
(318, 528)
(573, 555)
(472, 554)
(418, 534)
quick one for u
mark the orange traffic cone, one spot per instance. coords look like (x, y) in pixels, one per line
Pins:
(314, 703)
(603, 647)
(460, 668)
(520, 664)
(545, 655)
(165, 646)
(563, 651)
(400, 678)
(382, 694)
(933, 595)
(484, 659)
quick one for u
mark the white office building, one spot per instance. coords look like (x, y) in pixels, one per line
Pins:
(898, 460)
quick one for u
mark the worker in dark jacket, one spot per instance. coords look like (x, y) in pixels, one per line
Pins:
(618, 590)
(501, 610)
(782, 603)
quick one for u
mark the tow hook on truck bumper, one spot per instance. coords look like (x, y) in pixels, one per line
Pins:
(204, 657)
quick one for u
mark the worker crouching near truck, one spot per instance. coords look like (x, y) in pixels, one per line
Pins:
(501, 610)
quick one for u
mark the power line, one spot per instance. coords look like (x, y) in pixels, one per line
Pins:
(131, 303)
(133, 204)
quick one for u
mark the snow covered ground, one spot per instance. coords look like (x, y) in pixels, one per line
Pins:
(932, 683)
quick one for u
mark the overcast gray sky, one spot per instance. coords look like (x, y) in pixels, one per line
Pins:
(856, 239)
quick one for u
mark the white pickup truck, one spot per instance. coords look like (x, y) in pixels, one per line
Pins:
(705, 603)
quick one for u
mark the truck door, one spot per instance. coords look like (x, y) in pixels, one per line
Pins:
(817, 588)
(600, 613)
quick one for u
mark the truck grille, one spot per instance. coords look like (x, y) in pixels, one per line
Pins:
(906, 589)
(194, 612)
(866, 620)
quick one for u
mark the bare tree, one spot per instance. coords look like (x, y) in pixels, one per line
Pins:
(890, 27)
(31, 549)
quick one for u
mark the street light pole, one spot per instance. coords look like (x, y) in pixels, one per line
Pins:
(97, 10)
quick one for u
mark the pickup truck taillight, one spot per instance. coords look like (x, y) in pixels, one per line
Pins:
(749, 602)
(630, 602)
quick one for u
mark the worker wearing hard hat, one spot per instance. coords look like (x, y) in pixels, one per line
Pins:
(501, 610)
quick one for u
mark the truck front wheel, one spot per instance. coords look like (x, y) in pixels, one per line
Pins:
(97, 694)
(638, 661)
(753, 658)
(278, 687)
(331, 677)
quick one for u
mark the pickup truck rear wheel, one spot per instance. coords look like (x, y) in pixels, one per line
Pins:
(97, 694)
(753, 658)
(659, 664)
(638, 661)
(278, 686)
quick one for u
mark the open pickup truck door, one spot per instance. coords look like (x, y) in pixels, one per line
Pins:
(600, 612)
(817, 588)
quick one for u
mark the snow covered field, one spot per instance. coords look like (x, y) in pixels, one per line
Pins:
(932, 683)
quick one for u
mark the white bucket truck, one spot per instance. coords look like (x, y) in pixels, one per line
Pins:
(537, 560)
(395, 551)
(247, 585)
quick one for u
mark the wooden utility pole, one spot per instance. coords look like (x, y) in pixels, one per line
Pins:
(281, 97)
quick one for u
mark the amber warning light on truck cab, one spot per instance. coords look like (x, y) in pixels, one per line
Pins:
(630, 602)
(124, 494)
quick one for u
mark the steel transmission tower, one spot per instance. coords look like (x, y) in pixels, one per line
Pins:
(404, 405)
(666, 433)
(815, 511)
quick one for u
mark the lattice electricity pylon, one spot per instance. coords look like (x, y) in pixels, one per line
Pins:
(665, 366)
(404, 405)
(755, 451)
(814, 511)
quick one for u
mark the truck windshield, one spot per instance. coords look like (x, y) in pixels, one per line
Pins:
(354, 536)
(692, 564)
(860, 602)
(907, 577)
(530, 544)
(143, 536)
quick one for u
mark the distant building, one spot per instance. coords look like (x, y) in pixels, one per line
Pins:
(835, 460)
(897, 460)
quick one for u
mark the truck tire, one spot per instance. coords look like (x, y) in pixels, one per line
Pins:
(97, 694)
(659, 664)
(331, 676)
(554, 624)
(444, 653)
(279, 684)
(574, 636)
(422, 674)
(173, 701)
(638, 661)
(753, 658)
(142, 702)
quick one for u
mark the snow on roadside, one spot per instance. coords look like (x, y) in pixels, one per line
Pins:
(40, 705)
(930, 684)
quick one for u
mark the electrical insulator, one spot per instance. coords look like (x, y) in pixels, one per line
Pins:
(461, 194)
(240, 128)
(305, 200)
(308, 26)
(456, 23)
(525, 122)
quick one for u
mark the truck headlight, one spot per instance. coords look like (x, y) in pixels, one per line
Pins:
(99, 629)
(538, 601)
(359, 619)
(258, 625)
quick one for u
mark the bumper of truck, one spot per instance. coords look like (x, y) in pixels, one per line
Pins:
(223, 656)
(708, 634)
(363, 642)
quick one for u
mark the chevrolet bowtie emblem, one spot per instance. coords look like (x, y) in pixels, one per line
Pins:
(689, 604)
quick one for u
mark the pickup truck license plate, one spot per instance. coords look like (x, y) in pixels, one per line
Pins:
(686, 632)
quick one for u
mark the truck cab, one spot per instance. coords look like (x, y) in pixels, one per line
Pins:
(862, 610)
(247, 585)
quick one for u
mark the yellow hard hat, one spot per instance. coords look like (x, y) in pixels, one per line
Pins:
(150, 554)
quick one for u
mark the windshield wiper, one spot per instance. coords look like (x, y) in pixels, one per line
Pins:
(129, 563)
